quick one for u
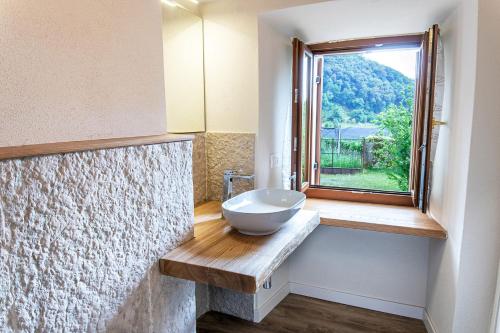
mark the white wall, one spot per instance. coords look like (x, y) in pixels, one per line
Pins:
(275, 77)
(233, 73)
(348, 19)
(77, 70)
(184, 72)
(385, 272)
(451, 164)
(481, 237)
(231, 68)
(463, 273)
(231, 62)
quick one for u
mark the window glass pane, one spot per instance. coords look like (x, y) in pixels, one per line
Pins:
(367, 115)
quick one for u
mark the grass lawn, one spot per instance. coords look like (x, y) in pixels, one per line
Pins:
(373, 179)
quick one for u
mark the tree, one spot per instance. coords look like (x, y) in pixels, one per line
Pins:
(394, 152)
(335, 117)
(361, 88)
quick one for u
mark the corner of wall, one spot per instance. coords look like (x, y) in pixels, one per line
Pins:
(459, 36)
(429, 325)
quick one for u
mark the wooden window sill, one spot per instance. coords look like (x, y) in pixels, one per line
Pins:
(354, 215)
(376, 217)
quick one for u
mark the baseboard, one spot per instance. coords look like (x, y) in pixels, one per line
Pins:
(429, 325)
(262, 311)
(370, 303)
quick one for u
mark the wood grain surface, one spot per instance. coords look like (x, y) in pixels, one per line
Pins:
(376, 217)
(354, 215)
(221, 256)
(303, 314)
(77, 146)
(208, 211)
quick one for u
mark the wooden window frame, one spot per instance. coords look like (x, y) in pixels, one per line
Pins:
(423, 197)
(376, 43)
(412, 198)
(300, 50)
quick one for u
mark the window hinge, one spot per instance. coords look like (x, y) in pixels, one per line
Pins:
(318, 79)
(315, 165)
(296, 96)
(295, 144)
(422, 147)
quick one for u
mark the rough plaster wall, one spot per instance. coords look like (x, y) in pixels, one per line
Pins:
(199, 169)
(81, 235)
(229, 151)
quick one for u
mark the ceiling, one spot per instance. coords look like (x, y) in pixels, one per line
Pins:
(346, 19)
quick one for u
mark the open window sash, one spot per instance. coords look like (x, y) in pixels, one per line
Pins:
(302, 83)
(423, 119)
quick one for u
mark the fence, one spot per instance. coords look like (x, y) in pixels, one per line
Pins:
(344, 156)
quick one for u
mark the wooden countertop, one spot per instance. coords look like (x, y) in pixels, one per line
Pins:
(219, 255)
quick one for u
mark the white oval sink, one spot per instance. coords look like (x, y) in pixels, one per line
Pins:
(262, 212)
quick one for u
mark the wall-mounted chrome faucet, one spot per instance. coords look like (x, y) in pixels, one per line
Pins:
(229, 177)
(267, 284)
(293, 181)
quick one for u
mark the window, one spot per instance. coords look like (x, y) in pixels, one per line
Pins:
(366, 119)
(362, 118)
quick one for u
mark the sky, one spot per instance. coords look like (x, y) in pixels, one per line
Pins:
(404, 61)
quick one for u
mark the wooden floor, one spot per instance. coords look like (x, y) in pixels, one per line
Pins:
(304, 314)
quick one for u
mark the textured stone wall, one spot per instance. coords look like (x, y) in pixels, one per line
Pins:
(229, 151)
(231, 302)
(199, 169)
(202, 299)
(81, 235)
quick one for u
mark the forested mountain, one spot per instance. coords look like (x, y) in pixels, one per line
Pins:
(356, 89)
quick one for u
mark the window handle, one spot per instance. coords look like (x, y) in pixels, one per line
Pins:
(436, 122)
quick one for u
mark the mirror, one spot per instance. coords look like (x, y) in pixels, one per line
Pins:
(183, 69)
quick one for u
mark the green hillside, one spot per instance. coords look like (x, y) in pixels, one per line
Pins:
(356, 89)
